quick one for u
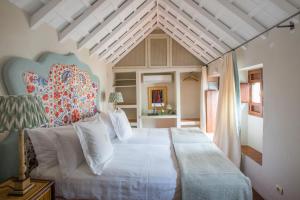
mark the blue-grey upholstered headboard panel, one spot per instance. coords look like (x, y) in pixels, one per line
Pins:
(14, 72)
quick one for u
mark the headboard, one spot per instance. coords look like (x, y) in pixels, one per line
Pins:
(68, 88)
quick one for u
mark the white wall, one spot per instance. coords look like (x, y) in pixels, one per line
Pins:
(255, 132)
(17, 39)
(280, 56)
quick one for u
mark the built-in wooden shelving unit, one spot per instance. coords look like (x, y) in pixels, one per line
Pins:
(125, 82)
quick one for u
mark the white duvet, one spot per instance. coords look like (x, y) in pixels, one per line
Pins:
(143, 168)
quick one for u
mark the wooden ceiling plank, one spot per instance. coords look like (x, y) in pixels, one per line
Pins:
(81, 44)
(68, 30)
(128, 35)
(198, 9)
(190, 34)
(38, 17)
(104, 43)
(217, 43)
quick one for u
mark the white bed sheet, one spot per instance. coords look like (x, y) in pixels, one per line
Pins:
(143, 168)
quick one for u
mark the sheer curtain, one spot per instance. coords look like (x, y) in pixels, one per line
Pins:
(204, 87)
(227, 123)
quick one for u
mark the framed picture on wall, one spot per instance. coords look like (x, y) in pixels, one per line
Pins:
(157, 97)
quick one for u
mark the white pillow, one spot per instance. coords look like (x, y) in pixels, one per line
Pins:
(95, 143)
(121, 124)
(108, 124)
(43, 141)
(69, 151)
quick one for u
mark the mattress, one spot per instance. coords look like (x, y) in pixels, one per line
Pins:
(147, 170)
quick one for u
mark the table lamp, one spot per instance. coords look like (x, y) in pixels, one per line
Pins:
(115, 98)
(16, 114)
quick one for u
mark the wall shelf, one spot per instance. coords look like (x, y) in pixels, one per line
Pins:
(190, 122)
(159, 116)
(123, 86)
(127, 106)
(125, 80)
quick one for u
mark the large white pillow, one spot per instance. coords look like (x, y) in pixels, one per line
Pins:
(106, 120)
(43, 141)
(69, 151)
(95, 143)
(121, 124)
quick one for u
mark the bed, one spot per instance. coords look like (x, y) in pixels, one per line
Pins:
(144, 167)
(152, 164)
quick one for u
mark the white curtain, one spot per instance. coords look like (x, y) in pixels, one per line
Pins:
(204, 87)
(227, 131)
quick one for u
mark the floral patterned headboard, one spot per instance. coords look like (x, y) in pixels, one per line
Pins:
(68, 88)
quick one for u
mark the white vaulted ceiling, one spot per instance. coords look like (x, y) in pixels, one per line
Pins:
(112, 28)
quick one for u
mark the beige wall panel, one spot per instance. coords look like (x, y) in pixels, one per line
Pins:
(190, 97)
(181, 57)
(158, 52)
(136, 57)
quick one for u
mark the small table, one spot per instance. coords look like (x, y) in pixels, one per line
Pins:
(42, 189)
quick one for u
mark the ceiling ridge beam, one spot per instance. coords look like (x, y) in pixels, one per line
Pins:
(229, 32)
(190, 34)
(69, 29)
(38, 17)
(243, 16)
(192, 44)
(129, 46)
(182, 43)
(102, 44)
(129, 34)
(81, 44)
(217, 43)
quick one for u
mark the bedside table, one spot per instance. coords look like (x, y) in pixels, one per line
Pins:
(42, 190)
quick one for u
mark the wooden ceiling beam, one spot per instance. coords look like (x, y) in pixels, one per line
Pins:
(68, 30)
(242, 16)
(285, 6)
(130, 48)
(172, 31)
(189, 34)
(95, 32)
(227, 31)
(38, 17)
(112, 47)
(135, 17)
(126, 48)
(217, 43)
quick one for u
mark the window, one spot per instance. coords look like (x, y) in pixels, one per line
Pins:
(255, 80)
